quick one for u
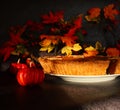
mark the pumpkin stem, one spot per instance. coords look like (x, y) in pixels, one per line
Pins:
(18, 60)
(30, 64)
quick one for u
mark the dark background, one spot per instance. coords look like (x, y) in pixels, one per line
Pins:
(14, 12)
(51, 95)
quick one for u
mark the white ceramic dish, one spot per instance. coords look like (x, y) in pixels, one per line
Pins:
(87, 79)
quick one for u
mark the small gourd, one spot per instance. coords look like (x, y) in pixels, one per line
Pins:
(31, 75)
(14, 67)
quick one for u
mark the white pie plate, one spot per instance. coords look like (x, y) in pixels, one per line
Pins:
(87, 79)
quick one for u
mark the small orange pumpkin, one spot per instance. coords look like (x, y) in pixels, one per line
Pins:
(30, 76)
(14, 67)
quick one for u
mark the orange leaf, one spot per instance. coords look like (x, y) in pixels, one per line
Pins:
(110, 12)
(112, 52)
(52, 17)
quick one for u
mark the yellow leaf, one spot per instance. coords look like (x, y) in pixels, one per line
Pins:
(67, 50)
(43, 49)
(87, 18)
(47, 48)
(93, 19)
(90, 48)
(76, 47)
(50, 48)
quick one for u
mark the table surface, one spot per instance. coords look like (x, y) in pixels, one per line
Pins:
(56, 94)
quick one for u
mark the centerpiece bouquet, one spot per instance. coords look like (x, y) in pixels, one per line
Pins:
(53, 35)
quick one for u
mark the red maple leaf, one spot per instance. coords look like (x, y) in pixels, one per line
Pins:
(6, 51)
(78, 22)
(52, 17)
(10, 45)
(34, 26)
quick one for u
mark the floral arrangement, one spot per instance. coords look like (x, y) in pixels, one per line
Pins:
(54, 34)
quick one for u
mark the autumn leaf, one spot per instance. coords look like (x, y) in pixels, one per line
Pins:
(10, 45)
(47, 48)
(6, 52)
(94, 19)
(110, 12)
(90, 48)
(76, 47)
(69, 39)
(112, 52)
(78, 22)
(49, 39)
(45, 42)
(99, 47)
(68, 49)
(52, 17)
(34, 26)
(93, 14)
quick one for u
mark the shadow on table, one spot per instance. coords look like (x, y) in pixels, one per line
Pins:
(82, 93)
